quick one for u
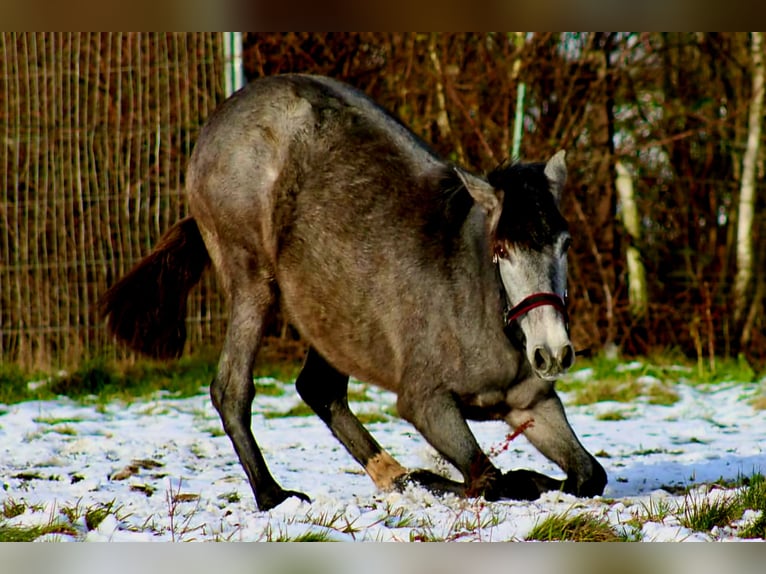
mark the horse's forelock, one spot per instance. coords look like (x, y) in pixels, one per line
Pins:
(530, 217)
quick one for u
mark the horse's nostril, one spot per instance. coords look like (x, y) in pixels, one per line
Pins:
(567, 357)
(541, 359)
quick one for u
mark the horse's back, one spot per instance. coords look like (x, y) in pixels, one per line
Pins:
(286, 145)
(282, 114)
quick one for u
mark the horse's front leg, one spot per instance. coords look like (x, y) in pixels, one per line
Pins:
(437, 416)
(536, 400)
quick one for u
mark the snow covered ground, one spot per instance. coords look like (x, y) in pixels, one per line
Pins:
(171, 473)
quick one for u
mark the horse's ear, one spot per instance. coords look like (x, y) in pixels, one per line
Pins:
(489, 198)
(556, 172)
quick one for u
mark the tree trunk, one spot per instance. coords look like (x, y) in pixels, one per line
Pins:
(521, 88)
(637, 292)
(746, 208)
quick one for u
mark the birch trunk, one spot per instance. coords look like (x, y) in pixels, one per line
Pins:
(746, 207)
(637, 292)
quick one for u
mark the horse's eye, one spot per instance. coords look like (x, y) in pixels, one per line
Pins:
(566, 245)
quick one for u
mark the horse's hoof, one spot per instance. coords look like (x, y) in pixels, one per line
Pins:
(523, 485)
(267, 501)
(432, 482)
(593, 486)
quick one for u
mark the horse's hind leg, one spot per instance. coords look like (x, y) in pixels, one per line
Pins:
(325, 390)
(233, 391)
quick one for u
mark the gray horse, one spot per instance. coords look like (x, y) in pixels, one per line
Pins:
(395, 266)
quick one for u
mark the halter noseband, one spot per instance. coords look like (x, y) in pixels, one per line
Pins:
(538, 300)
(530, 302)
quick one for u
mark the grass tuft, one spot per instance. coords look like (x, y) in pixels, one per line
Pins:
(12, 508)
(702, 513)
(656, 510)
(96, 514)
(312, 536)
(753, 494)
(611, 416)
(753, 497)
(756, 528)
(17, 533)
(299, 410)
(578, 528)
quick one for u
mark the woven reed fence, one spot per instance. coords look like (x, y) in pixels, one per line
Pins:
(95, 133)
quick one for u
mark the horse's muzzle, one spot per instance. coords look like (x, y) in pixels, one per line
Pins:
(550, 364)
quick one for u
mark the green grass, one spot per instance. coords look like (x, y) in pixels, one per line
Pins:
(232, 497)
(622, 387)
(651, 379)
(371, 418)
(280, 370)
(17, 533)
(67, 521)
(754, 491)
(299, 410)
(95, 515)
(12, 508)
(184, 378)
(269, 387)
(215, 430)
(322, 535)
(64, 429)
(303, 410)
(726, 369)
(753, 497)
(656, 510)
(53, 421)
(14, 385)
(101, 382)
(358, 394)
(756, 529)
(311, 536)
(579, 528)
(611, 416)
(698, 512)
(702, 514)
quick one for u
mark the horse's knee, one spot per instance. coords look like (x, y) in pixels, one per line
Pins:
(231, 400)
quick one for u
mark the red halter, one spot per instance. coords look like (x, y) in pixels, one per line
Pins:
(538, 300)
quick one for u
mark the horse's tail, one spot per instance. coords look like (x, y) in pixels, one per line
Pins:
(146, 309)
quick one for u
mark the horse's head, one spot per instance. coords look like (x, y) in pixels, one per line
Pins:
(530, 238)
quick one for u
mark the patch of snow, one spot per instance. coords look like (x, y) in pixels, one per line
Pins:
(179, 478)
(632, 366)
